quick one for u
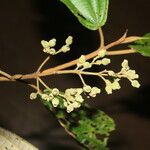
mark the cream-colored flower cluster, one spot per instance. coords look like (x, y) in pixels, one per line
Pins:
(48, 46)
(112, 83)
(73, 97)
(129, 74)
(83, 64)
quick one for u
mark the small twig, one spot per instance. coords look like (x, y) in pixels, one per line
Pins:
(38, 85)
(43, 63)
(131, 39)
(82, 80)
(42, 82)
(121, 52)
(5, 74)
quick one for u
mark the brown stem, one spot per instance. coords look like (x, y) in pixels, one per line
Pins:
(54, 70)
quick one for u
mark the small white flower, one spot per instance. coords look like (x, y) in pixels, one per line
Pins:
(125, 64)
(87, 88)
(87, 65)
(69, 40)
(51, 96)
(55, 102)
(45, 44)
(79, 98)
(105, 61)
(70, 108)
(82, 59)
(108, 89)
(76, 105)
(55, 91)
(79, 91)
(98, 62)
(52, 42)
(111, 73)
(70, 91)
(102, 53)
(52, 51)
(135, 84)
(115, 85)
(92, 94)
(65, 48)
(45, 97)
(70, 98)
(96, 90)
(65, 104)
(45, 50)
(132, 74)
(33, 96)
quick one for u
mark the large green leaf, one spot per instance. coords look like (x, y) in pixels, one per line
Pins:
(143, 45)
(91, 13)
(89, 127)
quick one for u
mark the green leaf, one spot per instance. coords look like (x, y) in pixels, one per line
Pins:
(88, 126)
(91, 13)
(143, 45)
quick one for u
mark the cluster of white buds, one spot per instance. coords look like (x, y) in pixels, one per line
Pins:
(82, 63)
(73, 98)
(33, 96)
(48, 97)
(110, 86)
(129, 74)
(92, 91)
(48, 46)
(103, 61)
(125, 72)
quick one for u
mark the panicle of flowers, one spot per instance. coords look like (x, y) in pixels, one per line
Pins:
(48, 97)
(73, 97)
(130, 74)
(112, 83)
(48, 46)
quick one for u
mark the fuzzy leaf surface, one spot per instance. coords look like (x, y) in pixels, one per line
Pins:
(91, 13)
(90, 127)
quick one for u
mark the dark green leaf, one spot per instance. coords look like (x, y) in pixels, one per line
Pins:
(142, 46)
(91, 13)
(90, 127)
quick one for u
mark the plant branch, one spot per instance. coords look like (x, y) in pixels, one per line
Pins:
(5, 74)
(54, 70)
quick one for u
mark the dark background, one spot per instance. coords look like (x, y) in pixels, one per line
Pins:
(23, 24)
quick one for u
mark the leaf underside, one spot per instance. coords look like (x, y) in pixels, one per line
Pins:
(89, 127)
(91, 13)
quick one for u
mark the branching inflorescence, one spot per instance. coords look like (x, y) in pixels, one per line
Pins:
(84, 124)
(73, 97)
